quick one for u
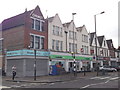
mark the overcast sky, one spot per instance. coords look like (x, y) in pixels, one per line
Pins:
(107, 23)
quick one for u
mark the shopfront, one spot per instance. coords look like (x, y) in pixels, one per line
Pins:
(67, 61)
(24, 60)
(113, 62)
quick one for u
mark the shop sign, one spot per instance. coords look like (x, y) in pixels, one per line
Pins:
(106, 58)
(69, 57)
(27, 52)
(113, 59)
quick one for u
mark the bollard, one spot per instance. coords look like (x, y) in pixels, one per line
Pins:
(84, 71)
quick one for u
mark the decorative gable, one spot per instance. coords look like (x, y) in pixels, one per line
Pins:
(36, 13)
(104, 43)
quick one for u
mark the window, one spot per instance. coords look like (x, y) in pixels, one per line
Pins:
(57, 45)
(37, 42)
(57, 31)
(70, 45)
(33, 23)
(32, 41)
(85, 38)
(42, 42)
(53, 43)
(37, 24)
(75, 37)
(76, 48)
(61, 43)
(53, 30)
(69, 34)
(42, 26)
(60, 31)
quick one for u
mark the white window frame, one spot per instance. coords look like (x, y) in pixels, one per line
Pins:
(34, 35)
(41, 21)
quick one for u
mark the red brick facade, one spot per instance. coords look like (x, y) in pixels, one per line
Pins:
(16, 30)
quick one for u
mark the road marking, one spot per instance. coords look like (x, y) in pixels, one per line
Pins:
(101, 82)
(100, 77)
(52, 84)
(105, 78)
(114, 78)
(4, 87)
(86, 86)
(95, 78)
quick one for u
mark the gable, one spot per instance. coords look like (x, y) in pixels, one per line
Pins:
(84, 30)
(104, 41)
(93, 42)
(70, 27)
(37, 13)
(57, 20)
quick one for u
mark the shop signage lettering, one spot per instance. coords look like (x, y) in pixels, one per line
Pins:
(27, 52)
(70, 57)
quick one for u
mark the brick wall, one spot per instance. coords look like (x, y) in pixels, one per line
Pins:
(13, 38)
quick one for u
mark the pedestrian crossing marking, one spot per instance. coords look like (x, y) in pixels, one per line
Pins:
(4, 87)
(102, 78)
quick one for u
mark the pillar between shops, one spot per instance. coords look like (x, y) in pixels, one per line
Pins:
(91, 65)
(101, 63)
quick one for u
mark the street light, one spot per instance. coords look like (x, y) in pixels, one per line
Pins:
(73, 54)
(34, 63)
(96, 38)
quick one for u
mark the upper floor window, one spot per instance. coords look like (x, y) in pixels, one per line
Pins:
(53, 44)
(72, 35)
(57, 30)
(37, 24)
(61, 45)
(57, 45)
(84, 38)
(37, 42)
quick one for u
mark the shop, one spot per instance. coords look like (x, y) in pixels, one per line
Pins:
(24, 60)
(114, 62)
(67, 62)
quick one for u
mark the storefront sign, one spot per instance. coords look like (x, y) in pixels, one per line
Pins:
(69, 57)
(27, 52)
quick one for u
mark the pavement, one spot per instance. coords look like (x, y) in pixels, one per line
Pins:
(51, 79)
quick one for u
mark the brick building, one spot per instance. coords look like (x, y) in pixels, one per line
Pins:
(27, 30)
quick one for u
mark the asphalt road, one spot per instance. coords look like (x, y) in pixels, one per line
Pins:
(111, 81)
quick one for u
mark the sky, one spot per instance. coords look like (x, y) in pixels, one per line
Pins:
(106, 24)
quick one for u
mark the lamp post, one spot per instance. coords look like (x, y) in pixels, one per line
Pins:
(73, 54)
(96, 40)
(34, 63)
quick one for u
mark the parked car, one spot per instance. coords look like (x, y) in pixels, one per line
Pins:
(117, 67)
(107, 68)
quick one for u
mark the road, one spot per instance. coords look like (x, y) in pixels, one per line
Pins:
(111, 81)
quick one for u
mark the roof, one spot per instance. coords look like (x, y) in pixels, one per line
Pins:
(100, 40)
(110, 44)
(19, 20)
(66, 24)
(91, 37)
(79, 28)
(50, 19)
(14, 21)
